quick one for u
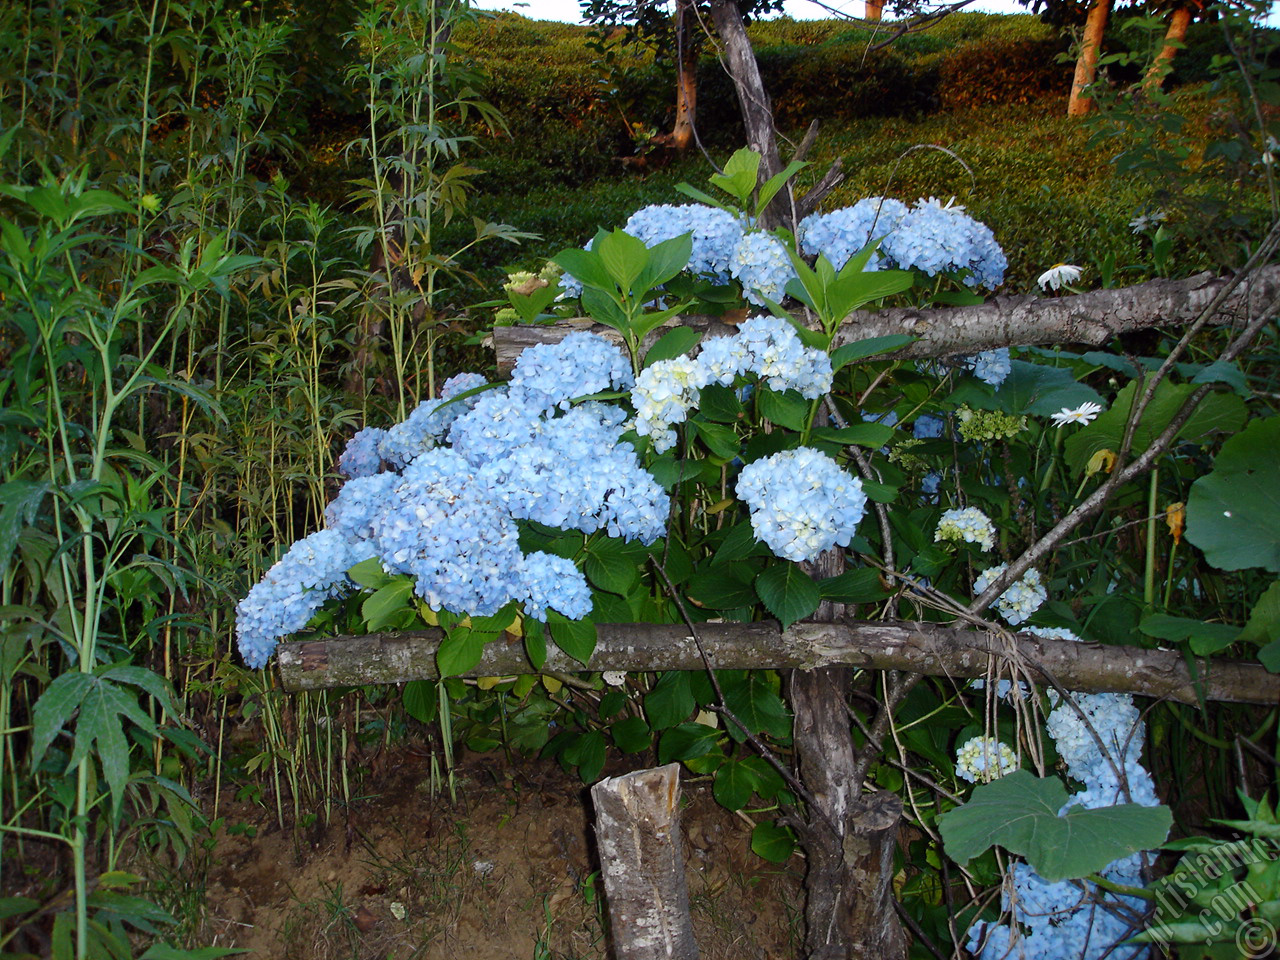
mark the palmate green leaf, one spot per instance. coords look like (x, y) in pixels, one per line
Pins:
(99, 727)
(15, 906)
(788, 592)
(1038, 390)
(1203, 638)
(1020, 813)
(20, 502)
(1217, 413)
(55, 708)
(1233, 514)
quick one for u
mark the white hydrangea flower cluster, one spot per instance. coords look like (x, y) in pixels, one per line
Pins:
(967, 524)
(663, 395)
(841, 233)
(1021, 600)
(764, 346)
(448, 517)
(802, 503)
(1050, 920)
(983, 759)
(761, 264)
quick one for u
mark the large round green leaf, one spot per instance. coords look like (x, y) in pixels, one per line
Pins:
(1233, 514)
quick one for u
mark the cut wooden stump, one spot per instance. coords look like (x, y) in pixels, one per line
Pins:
(638, 835)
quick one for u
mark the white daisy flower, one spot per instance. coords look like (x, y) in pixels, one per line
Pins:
(1085, 413)
(1059, 276)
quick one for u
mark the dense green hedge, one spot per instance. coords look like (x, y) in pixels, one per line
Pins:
(571, 108)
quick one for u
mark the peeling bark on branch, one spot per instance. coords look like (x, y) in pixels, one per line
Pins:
(1086, 318)
(927, 648)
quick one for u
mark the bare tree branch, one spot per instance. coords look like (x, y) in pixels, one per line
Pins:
(928, 648)
(1088, 318)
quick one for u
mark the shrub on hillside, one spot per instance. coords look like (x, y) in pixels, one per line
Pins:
(1003, 71)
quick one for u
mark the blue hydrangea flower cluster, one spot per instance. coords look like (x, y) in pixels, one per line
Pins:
(716, 234)
(935, 238)
(761, 264)
(928, 427)
(1057, 921)
(764, 346)
(579, 365)
(465, 472)
(989, 366)
(1021, 600)
(802, 503)
(842, 233)
(1063, 920)
(361, 457)
(297, 585)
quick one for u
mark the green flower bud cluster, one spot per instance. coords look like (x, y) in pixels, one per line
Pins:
(989, 424)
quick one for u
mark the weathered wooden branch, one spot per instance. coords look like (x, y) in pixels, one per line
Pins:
(1087, 318)
(928, 648)
(638, 835)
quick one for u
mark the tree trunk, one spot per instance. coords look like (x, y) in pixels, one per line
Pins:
(1087, 63)
(757, 112)
(873, 10)
(1179, 20)
(686, 77)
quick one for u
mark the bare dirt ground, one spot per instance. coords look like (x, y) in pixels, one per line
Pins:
(507, 870)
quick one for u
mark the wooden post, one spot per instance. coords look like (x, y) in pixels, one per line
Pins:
(638, 836)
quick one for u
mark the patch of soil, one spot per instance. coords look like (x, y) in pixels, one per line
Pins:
(507, 870)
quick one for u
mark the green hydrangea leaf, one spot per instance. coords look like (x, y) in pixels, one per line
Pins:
(1020, 813)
